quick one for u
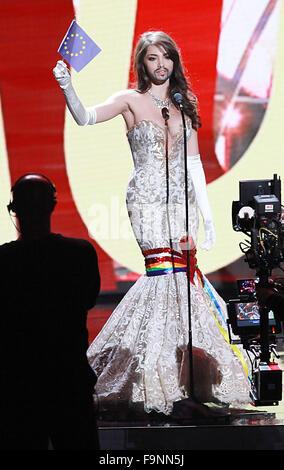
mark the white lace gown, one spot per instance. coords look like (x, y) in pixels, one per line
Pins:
(140, 356)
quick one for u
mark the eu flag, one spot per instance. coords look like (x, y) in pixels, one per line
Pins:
(77, 48)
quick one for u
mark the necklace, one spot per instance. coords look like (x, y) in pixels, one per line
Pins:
(161, 103)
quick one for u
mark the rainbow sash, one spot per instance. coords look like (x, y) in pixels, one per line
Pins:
(161, 261)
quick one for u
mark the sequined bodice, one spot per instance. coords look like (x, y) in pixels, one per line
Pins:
(157, 209)
(148, 180)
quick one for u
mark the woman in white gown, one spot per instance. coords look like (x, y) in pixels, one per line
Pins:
(141, 354)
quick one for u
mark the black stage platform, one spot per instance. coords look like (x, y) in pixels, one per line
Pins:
(253, 428)
(249, 433)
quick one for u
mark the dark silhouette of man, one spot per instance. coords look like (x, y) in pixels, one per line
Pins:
(48, 283)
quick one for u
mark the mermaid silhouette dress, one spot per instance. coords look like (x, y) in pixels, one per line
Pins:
(140, 356)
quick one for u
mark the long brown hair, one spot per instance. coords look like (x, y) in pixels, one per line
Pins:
(178, 82)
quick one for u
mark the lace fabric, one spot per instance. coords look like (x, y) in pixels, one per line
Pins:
(140, 356)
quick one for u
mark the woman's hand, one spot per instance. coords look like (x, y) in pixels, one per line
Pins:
(62, 74)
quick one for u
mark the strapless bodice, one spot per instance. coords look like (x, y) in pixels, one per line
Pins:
(147, 141)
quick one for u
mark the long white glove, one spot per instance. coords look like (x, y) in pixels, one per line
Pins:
(82, 115)
(195, 168)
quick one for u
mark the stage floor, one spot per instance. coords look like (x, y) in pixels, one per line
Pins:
(255, 428)
(189, 438)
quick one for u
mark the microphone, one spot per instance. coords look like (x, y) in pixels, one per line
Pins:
(165, 113)
(178, 99)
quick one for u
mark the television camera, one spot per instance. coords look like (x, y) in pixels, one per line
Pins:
(258, 214)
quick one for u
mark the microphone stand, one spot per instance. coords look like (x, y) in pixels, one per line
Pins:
(166, 116)
(191, 406)
(178, 99)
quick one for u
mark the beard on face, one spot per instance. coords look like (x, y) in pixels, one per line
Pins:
(164, 77)
(156, 78)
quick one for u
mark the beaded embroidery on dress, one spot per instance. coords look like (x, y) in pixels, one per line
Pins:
(140, 355)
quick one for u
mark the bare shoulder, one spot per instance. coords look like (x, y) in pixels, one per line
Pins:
(123, 97)
(128, 94)
(133, 101)
(120, 102)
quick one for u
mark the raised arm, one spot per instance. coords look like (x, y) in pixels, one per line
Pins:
(112, 107)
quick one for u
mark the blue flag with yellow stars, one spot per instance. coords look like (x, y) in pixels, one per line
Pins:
(77, 48)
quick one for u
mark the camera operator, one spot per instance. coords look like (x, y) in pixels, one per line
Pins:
(272, 298)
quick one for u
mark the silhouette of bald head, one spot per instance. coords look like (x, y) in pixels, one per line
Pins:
(34, 199)
(33, 192)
